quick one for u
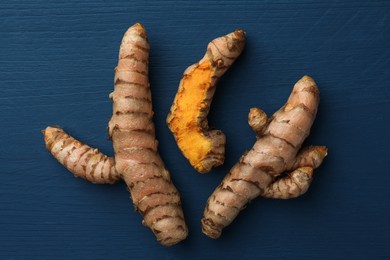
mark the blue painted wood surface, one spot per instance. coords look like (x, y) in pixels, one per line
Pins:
(57, 60)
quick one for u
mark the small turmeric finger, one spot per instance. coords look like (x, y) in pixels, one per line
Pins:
(187, 118)
(311, 156)
(290, 186)
(80, 159)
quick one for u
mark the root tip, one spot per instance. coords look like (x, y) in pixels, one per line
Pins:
(209, 230)
(307, 78)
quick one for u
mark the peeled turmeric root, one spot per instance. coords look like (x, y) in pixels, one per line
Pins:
(261, 171)
(187, 119)
(132, 131)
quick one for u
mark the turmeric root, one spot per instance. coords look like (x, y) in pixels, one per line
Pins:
(261, 171)
(80, 159)
(133, 135)
(132, 131)
(187, 119)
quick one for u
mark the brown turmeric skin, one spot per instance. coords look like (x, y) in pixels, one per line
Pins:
(80, 159)
(133, 135)
(275, 167)
(187, 119)
(132, 131)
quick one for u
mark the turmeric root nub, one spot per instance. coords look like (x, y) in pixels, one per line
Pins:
(187, 119)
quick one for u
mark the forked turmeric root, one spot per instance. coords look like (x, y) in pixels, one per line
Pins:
(137, 161)
(261, 171)
(187, 119)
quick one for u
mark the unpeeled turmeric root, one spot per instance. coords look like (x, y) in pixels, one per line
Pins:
(80, 159)
(262, 170)
(187, 119)
(133, 135)
(132, 131)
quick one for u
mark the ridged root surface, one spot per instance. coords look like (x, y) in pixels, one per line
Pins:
(275, 167)
(133, 135)
(132, 131)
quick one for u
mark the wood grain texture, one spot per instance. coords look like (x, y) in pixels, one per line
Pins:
(57, 60)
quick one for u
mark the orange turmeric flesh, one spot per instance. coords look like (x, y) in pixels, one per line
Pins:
(187, 119)
(190, 103)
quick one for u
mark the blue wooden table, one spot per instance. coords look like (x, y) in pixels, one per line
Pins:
(56, 68)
